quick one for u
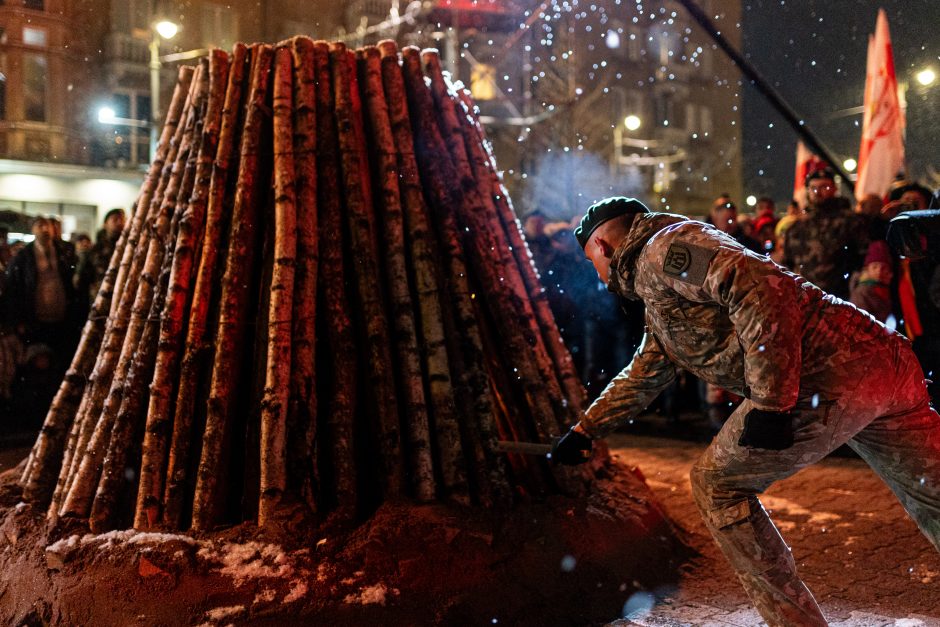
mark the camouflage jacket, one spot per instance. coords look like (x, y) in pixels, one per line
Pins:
(826, 245)
(728, 316)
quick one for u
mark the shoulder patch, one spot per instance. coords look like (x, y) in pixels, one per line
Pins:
(688, 262)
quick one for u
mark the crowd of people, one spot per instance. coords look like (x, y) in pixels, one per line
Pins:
(842, 248)
(46, 290)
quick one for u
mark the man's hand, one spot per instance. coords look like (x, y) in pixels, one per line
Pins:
(573, 448)
(772, 430)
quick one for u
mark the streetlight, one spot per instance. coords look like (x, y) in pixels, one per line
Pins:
(107, 115)
(632, 122)
(850, 164)
(926, 77)
(164, 29)
(751, 200)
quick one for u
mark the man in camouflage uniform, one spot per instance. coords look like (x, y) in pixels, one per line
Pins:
(828, 242)
(815, 373)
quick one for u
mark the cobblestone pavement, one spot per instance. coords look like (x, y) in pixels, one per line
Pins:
(865, 561)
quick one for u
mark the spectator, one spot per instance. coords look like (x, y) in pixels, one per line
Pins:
(780, 230)
(766, 208)
(827, 243)
(40, 304)
(873, 287)
(40, 299)
(724, 216)
(92, 266)
(83, 244)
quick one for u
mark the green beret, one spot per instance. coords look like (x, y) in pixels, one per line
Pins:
(604, 210)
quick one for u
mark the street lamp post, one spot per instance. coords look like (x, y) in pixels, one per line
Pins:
(162, 29)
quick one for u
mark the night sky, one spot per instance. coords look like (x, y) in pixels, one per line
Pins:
(813, 52)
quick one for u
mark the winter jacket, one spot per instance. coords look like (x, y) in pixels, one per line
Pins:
(728, 316)
(19, 294)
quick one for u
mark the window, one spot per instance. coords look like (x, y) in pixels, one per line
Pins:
(36, 5)
(34, 36)
(35, 77)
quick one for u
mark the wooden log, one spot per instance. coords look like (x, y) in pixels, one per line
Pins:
(116, 329)
(568, 376)
(158, 167)
(336, 445)
(420, 465)
(118, 472)
(302, 406)
(494, 261)
(424, 259)
(164, 473)
(277, 376)
(366, 271)
(47, 456)
(79, 498)
(441, 173)
(157, 357)
(233, 313)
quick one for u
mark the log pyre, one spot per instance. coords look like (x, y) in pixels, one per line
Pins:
(323, 300)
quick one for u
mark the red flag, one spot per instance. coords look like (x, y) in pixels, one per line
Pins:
(806, 162)
(881, 155)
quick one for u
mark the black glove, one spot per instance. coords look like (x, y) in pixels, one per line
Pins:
(771, 430)
(572, 449)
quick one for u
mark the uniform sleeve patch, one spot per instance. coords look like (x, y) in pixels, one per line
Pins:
(688, 262)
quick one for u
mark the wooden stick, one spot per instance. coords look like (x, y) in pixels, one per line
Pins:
(410, 380)
(277, 378)
(568, 376)
(366, 270)
(302, 406)
(157, 356)
(493, 259)
(164, 479)
(151, 185)
(48, 451)
(226, 368)
(116, 329)
(80, 495)
(424, 258)
(336, 447)
(117, 470)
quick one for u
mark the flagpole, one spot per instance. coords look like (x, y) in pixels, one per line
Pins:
(766, 89)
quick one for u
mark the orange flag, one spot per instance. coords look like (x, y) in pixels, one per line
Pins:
(881, 155)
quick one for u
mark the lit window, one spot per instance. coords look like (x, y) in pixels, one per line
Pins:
(34, 36)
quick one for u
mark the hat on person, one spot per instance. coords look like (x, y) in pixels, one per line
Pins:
(821, 173)
(603, 211)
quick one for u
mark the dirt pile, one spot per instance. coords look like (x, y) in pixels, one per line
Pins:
(563, 561)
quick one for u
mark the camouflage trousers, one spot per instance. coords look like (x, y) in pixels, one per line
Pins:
(877, 403)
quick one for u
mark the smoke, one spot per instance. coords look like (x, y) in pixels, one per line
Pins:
(563, 184)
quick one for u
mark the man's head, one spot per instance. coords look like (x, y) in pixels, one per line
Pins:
(43, 230)
(724, 214)
(114, 222)
(533, 224)
(56, 224)
(765, 206)
(603, 227)
(793, 208)
(820, 186)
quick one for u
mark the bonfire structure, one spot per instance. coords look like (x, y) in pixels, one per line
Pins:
(323, 303)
